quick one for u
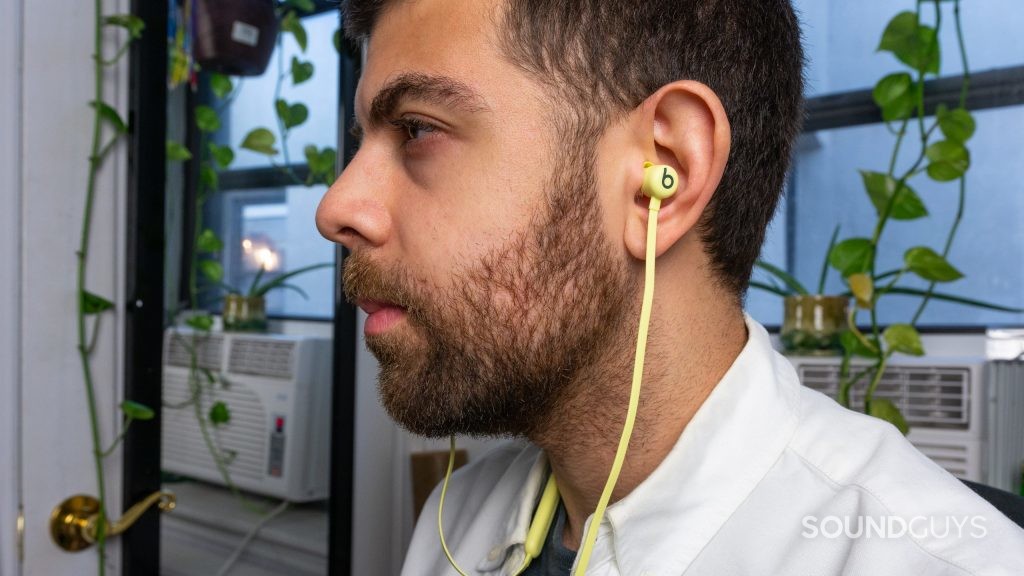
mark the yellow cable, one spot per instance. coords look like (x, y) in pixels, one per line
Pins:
(634, 394)
(440, 508)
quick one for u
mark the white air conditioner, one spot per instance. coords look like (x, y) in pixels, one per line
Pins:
(965, 414)
(277, 389)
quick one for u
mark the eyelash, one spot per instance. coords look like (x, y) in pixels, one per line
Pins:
(407, 125)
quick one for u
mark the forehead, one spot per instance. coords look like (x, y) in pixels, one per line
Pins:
(455, 38)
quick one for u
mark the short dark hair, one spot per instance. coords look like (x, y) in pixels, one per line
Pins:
(612, 55)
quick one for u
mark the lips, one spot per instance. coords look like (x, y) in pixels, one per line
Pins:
(381, 316)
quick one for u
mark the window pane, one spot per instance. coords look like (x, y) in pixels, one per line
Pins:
(254, 105)
(275, 228)
(989, 248)
(840, 39)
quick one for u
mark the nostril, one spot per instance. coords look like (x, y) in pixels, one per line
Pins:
(348, 231)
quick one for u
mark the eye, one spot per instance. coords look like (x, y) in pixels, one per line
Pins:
(413, 129)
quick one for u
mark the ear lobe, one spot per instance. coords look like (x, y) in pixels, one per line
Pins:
(690, 132)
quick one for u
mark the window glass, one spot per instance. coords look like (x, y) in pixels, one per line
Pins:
(273, 228)
(989, 247)
(253, 107)
(840, 39)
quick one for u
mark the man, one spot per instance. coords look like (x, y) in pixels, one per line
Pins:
(498, 243)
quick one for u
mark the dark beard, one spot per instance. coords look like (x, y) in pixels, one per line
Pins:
(498, 352)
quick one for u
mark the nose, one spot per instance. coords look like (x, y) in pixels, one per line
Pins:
(353, 212)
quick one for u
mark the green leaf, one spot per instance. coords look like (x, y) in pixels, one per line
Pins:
(903, 338)
(929, 265)
(258, 290)
(207, 119)
(291, 115)
(208, 242)
(137, 411)
(208, 176)
(896, 95)
(899, 32)
(220, 85)
(957, 125)
(175, 152)
(219, 414)
(852, 256)
(260, 140)
(913, 44)
(290, 23)
(321, 162)
(301, 71)
(212, 270)
(222, 155)
(133, 24)
(203, 323)
(93, 304)
(881, 187)
(948, 159)
(884, 409)
(954, 299)
(110, 115)
(303, 5)
(792, 283)
(854, 346)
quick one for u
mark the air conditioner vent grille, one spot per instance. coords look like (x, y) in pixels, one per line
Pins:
(243, 436)
(261, 357)
(208, 349)
(937, 397)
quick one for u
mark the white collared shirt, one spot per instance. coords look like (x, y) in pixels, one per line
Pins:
(768, 478)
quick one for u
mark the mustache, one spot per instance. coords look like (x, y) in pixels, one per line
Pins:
(364, 280)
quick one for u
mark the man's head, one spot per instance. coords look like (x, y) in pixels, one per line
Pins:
(492, 207)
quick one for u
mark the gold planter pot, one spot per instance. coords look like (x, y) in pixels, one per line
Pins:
(813, 324)
(245, 313)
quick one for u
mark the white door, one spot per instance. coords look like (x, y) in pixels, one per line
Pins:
(46, 85)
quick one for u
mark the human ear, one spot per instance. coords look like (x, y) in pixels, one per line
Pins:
(682, 125)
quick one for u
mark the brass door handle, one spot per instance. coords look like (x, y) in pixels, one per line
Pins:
(73, 521)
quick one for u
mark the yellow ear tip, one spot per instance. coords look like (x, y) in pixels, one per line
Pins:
(660, 181)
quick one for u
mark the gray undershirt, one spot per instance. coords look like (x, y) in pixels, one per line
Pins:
(555, 559)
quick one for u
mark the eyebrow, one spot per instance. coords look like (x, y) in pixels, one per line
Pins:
(430, 88)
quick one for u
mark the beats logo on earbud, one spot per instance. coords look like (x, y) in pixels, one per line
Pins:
(660, 181)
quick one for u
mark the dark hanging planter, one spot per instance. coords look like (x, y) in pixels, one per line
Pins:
(235, 37)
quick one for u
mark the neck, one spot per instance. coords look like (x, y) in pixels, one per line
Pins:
(686, 357)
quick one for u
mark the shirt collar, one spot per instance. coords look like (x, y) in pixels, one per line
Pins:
(729, 445)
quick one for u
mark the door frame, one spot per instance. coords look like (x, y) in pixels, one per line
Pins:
(144, 279)
(10, 285)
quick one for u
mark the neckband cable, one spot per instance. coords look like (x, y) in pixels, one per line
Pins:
(583, 560)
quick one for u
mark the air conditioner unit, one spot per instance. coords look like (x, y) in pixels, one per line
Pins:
(277, 389)
(965, 414)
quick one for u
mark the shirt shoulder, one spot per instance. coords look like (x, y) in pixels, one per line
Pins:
(873, 473)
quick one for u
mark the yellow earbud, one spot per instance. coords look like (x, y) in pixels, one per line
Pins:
(660, 181)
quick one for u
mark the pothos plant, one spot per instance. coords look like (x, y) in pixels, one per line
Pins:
(206, 245)
(941, 154)
(91, 306)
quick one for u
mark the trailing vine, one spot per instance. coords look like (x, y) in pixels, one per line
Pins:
(900, 96)
(90, 305)
(204, 259)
